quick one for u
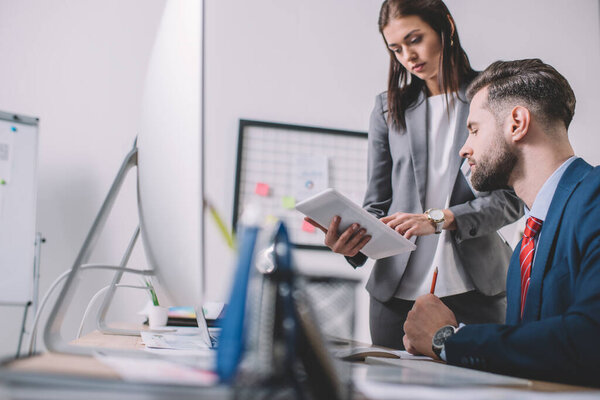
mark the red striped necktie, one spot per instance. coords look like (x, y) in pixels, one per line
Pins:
(532, 227)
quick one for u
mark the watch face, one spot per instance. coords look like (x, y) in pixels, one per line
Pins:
(442, 334)
(436, 215)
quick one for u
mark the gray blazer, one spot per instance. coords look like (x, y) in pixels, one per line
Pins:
(397, 173)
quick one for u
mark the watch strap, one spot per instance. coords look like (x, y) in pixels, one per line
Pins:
(438, 350)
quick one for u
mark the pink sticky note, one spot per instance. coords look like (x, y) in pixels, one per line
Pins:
(261, 189)
(307, 227)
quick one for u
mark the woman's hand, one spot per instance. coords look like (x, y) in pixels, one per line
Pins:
(410, 225)
(349, 243)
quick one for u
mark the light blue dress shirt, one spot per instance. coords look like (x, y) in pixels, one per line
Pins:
(541, 204)
(542, 201)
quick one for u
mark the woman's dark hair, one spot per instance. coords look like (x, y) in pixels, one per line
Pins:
(454, 64)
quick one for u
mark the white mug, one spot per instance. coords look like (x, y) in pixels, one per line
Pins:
(157, 316)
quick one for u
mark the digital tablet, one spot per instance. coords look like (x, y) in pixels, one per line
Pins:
(385, 241)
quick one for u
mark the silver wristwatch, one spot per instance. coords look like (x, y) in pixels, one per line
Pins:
(439, 338)
(436, 217)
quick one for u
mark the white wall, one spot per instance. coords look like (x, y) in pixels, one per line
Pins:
(564, 34)
(79, 66)
(313, 62)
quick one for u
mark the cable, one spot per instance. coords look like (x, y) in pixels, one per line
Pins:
(93, 299)
(62, 277)
(41, 307)
(98, 293)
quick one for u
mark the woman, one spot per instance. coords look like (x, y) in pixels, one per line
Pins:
(416, 184)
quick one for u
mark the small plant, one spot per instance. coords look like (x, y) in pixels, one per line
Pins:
(152, 292)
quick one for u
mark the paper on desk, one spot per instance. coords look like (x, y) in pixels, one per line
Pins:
(157, 371)
(180, 340)
(202, 358)
(181, 347)
(360, 353)
(407, 356)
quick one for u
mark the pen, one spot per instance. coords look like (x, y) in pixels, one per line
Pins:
(434, 280)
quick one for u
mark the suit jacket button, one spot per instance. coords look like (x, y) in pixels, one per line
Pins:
(473, 232)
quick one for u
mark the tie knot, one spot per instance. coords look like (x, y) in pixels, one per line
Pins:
(532, 227)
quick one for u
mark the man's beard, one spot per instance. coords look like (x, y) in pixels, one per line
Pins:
(493, 172)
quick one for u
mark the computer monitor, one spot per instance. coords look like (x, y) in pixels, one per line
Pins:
(170, 189)
(169, 171)
(170, 162)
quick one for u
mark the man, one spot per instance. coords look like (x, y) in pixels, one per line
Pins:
(519, 115)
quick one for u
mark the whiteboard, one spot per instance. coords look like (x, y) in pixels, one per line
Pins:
(18, 183)
(276, 161)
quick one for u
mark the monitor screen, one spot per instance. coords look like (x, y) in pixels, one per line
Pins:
(170, 189)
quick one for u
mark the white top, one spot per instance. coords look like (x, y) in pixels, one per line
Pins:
(436, 250)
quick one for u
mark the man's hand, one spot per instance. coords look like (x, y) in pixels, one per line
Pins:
(349, 243)
(427, 316)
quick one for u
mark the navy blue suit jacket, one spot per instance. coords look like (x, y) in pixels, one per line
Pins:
(559, 336)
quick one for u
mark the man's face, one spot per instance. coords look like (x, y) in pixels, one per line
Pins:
(489, 155)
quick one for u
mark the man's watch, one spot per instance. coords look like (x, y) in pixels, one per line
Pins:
(437, 218)
(439, 338)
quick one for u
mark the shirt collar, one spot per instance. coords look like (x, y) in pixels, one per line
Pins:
(542, 201)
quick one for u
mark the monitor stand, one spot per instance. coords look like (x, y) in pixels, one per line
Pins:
(52, 330)
(209, 340)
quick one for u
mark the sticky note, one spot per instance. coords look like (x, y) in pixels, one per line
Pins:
(307, 227)
(271, 219)
(261, 189)
(288, 202)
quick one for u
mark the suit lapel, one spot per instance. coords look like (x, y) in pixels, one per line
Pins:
(571, 178)
(416, 128)
(460, 133)
(513, 288)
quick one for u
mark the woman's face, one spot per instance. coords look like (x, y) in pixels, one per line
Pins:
(417, 47)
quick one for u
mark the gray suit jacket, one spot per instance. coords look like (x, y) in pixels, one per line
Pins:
(397, 173)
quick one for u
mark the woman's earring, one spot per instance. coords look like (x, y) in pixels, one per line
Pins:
(451, 42)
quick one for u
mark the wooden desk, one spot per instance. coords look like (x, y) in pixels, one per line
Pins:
(63, 376)
(88, 369)
(78, 366)
(536, 386)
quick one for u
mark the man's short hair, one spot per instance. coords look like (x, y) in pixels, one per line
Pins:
(539, 86)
